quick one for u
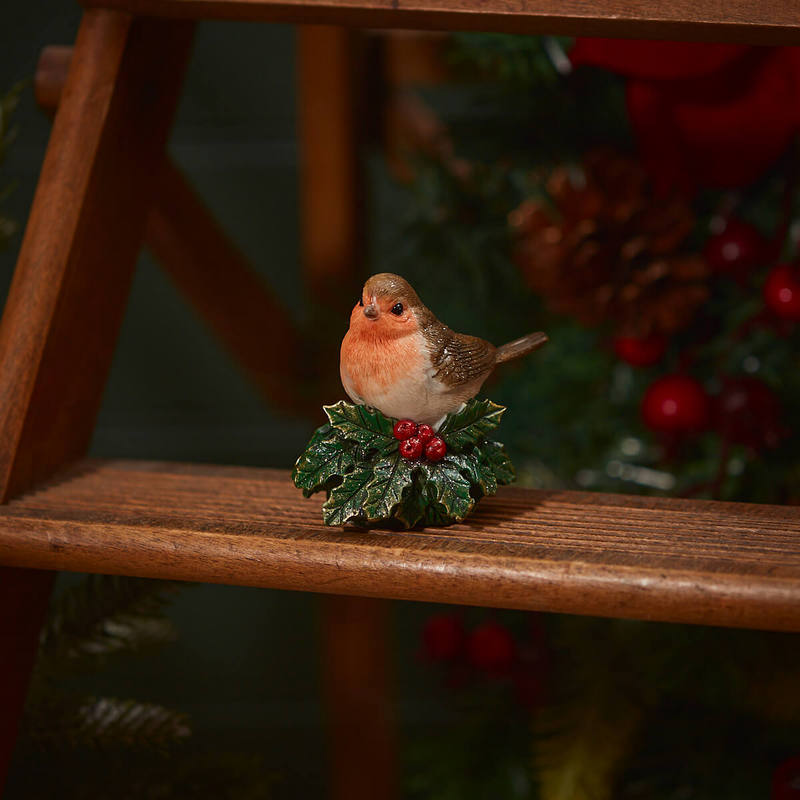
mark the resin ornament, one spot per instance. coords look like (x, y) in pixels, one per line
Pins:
(414, 446)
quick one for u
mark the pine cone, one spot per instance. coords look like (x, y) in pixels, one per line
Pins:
(600, 247)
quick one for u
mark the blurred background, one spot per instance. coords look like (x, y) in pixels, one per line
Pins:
(638, 202)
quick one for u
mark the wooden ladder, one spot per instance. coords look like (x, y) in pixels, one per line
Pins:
(671, 560)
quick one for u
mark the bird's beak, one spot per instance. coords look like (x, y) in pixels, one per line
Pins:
(371, 311)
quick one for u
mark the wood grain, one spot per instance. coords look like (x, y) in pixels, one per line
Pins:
(754, 21)
(69, 289)
(607, 555)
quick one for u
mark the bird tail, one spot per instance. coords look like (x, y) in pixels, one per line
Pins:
(520, 347)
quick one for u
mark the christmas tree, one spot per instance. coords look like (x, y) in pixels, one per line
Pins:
(638, 202)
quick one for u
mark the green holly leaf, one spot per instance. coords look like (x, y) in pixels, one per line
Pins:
(366, 426)
(470, 425)
(326, 459)
(347, 500)
(478, 474)
(413, 506)
(392, 477)
(493, 455)
(446, 486)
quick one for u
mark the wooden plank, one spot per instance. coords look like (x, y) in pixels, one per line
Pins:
(68, 293)
(209, 271)
(356, 676)
(754, 21)
(331, 201)
(607, 555)
(69, 289)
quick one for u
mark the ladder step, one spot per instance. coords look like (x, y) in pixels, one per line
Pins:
(673, 560)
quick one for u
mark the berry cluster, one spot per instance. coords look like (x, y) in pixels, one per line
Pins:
(746, 410)
(490, 650)
(418, 441)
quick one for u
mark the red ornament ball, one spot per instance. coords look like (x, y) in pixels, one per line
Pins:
(786, 780)
(404, 429)
(442, 637)
(491, 648)
(436, 449)
(676, 404)
(736, 249)
(411, 448)
(425, 433)
(748, 412)
(640, 352)
(782, 291)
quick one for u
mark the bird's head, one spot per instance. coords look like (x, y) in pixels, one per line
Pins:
(388, 307)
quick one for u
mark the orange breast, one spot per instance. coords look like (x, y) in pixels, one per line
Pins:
(375, 363)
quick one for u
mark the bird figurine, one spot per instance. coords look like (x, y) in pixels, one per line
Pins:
(400, 359)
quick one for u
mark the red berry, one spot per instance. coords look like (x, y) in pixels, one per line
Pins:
(442, 637)
(748, 412)
(640, 352)
(675, 404)
(436, 449)
(782, 291)
(491, 648)
(411, 448)
(425, 433)
(736, 249)
(404, 429)
(786, 780)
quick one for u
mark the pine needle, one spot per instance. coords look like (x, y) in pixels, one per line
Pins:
(61, 722)
(102, 616)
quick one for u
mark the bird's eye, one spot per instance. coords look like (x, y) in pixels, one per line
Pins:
(397, 309)
(361, 301)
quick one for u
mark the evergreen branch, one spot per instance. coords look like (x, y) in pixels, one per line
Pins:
(61, 722)
(101, 616)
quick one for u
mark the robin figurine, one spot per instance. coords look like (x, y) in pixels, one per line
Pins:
(400, 359)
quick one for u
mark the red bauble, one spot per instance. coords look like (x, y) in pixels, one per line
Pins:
(442, 637)
(436, 449)
(404, 429)
(736, 249)
(491, 648)
(675, 404)
(748, 412)
(640, 352)
(425, 433)
(411, 448)
(782, 291)
(786, 780)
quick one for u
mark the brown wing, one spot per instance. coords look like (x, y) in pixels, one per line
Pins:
(458, 358)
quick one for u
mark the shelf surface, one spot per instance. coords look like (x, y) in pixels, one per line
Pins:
(752, 21)
(578, 552)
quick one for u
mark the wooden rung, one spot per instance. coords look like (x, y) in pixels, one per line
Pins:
(607, 555)
(753, 21)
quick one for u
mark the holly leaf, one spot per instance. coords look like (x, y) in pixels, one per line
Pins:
(446, 486)
(480, 476)
(493, 455)
(470, 425)
(366, 426)
(347, 500)
(326, 459)
(392, 477)
(414, 504)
